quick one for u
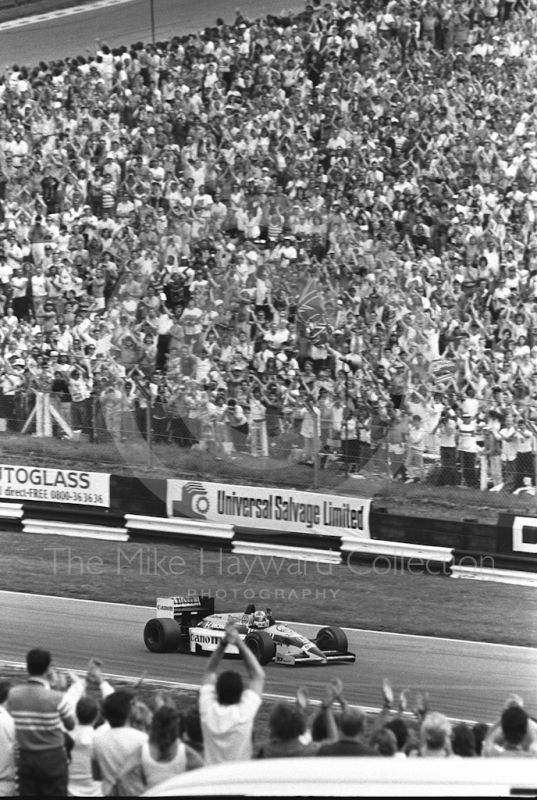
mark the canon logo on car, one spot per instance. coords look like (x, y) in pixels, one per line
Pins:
(164, 607)
(198, 638)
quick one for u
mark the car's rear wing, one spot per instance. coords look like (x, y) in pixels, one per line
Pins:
(175, 607)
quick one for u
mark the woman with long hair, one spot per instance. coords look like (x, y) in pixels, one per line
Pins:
(164, 755)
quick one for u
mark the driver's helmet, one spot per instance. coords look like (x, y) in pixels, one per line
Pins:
(260, 620)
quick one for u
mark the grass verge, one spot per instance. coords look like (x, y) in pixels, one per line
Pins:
(351, 595)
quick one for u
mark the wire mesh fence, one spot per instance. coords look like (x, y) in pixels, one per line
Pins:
(480, 461)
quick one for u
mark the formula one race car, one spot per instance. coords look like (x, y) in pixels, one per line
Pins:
(189, 624)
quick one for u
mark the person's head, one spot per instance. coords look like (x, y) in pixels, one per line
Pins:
(479, 731)
(514, 725)
(140, 715)
(87, 710)
(5, 686)
(286, 723)
(319, 727)
(38, 662)
(116, 708)
(435, 735)
(384, 742)
(400, 730)
(165, 728)
(352, 723)
(463, 741)
(192, 722)
(229, 688)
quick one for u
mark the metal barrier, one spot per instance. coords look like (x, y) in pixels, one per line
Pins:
(399, 550)
(79, 530)
(179, 529)
(282, 551)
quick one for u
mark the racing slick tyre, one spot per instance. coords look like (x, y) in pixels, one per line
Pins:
(261, 645)
(162, 635)
(332, 639)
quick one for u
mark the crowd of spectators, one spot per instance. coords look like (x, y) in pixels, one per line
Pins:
(62, 734)
(301, 234)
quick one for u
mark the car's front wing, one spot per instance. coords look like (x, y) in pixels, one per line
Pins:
(303, 659)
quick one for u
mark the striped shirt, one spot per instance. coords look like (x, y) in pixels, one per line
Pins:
(38, 712)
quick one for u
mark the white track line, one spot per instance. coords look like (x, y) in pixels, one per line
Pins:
(287, 622)
(35, 19)
(194, 688)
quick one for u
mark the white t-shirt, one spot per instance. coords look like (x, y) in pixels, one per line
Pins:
(7, 754)
(39, 285)
(112, 747)
(156, 772)
(81, 783)
(227, 730)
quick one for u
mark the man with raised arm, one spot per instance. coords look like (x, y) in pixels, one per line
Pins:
(227, 708)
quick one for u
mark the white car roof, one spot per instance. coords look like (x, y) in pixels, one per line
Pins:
(357, 777)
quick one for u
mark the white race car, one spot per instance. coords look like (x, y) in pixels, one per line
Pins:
(189, 624)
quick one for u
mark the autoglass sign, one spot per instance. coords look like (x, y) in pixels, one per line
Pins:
(49, 485)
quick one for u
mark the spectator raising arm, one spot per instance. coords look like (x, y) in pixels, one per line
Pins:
(254, 669)
(215, 659)
(228, 710)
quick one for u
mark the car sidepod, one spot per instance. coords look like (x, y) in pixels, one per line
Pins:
(206, 640)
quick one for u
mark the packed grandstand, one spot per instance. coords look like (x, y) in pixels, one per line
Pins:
(300, 234)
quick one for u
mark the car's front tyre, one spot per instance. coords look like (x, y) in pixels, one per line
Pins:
(332, 638)
(262, 646)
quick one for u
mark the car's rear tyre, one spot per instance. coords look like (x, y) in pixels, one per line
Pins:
(262, 646)
(332, 639)
(162, 635)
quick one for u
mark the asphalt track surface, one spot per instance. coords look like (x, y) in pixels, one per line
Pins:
(130, 22)
(466, 680)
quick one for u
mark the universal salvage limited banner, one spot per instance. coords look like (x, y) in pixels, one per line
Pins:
(49, 485)
(269, 508)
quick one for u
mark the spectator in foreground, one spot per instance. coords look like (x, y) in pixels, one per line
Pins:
(384, 742)
(463, 741)
(435, 736)
(514, 735)
(396, 725)
(227, 709)
(479, 732)
(81, 780)
(163, 756)
(7, 745)
(351, 725)
(115, 743)
(39, 712)
(287, 733)
(193, 735)
(323, 727)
